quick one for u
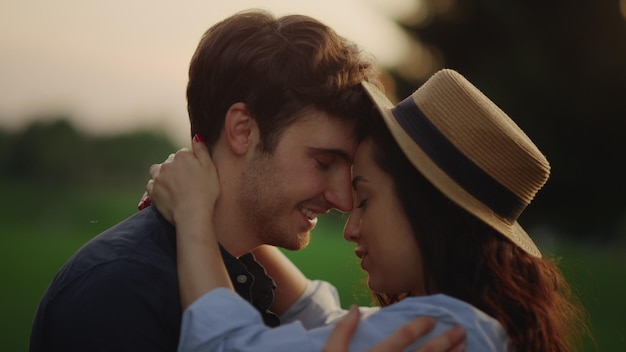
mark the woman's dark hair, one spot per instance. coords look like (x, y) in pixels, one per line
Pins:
(466, 259)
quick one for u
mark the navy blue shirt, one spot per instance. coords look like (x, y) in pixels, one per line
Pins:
(119, 292)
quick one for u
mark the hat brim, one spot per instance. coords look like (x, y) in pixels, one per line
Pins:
(440, 179)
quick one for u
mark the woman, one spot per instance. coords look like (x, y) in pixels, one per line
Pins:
(439, 185)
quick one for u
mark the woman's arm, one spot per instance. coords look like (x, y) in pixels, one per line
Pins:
(221, 320)
(185, 190)
(290, 281)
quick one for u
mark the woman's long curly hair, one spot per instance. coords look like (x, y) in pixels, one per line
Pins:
(466, 259)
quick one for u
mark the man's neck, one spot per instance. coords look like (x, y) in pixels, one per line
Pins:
(231, 229)
(231, 232)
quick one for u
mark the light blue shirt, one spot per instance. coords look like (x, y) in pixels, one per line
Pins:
(222, 321)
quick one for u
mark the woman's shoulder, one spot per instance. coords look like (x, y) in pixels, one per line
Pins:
(442, 304)
(445, 308)
(484, 333)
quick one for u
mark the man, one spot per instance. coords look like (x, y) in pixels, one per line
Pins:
(251, 78)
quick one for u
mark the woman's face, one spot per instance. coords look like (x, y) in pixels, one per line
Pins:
(378, 225)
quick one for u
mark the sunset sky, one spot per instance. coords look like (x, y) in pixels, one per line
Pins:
(114, 65)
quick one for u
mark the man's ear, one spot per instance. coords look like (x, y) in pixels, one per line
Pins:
(242, 132)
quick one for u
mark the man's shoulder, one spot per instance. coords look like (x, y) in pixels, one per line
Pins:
(119, 289)
(137, 227)
(138, 247)
(123, 302)
(142, 234)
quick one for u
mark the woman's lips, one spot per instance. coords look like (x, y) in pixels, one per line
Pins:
(362, 254)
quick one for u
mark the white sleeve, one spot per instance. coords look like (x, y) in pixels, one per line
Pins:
(222, 321)
(318, 306)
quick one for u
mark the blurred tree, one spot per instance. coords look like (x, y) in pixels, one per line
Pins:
(44, 152)
(125, 158)
(558, 68)
(55, 154)
(6, 140)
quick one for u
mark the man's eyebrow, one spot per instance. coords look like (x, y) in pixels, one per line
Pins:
(337, 152)
(356, 180)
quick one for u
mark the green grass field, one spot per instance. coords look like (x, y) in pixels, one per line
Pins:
(42, 228)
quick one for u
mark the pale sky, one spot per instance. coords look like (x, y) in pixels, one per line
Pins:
(114, 65)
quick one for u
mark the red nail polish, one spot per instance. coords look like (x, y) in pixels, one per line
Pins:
(198, 138)
(144, 203)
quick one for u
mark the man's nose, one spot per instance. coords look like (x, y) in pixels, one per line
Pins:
(339, 193)
(351, 230)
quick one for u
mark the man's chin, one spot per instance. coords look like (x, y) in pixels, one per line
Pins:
(299, 242)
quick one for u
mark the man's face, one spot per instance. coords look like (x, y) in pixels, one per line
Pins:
(282, 193)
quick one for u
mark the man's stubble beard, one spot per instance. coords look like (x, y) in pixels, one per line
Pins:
(266, 206)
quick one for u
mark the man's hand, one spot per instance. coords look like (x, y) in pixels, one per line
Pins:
(452, 340)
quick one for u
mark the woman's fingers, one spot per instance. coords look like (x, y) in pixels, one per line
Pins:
(341, 335)
(186, 180)
(154, 170)
(452, 340)
(406, 335)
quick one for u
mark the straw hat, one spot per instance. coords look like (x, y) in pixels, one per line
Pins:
(469, 149)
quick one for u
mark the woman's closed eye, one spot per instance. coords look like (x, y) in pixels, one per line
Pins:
(361, 204)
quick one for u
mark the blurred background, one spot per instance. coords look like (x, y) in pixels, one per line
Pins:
(92, 93)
